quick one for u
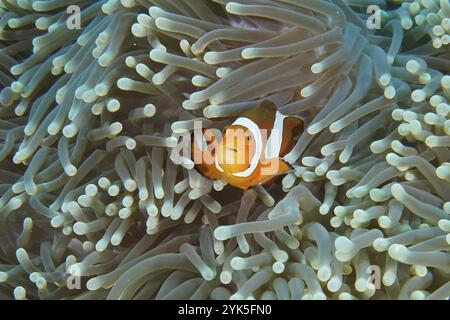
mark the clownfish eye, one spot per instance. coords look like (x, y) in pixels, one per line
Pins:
(249, 138)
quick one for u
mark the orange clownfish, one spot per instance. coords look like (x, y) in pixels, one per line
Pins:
(252, 147)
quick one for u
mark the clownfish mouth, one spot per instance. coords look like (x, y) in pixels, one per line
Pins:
(232, 149)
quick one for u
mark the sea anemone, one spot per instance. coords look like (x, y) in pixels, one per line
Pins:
(97, 95)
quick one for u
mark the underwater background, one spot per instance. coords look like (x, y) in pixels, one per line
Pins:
(96, 94)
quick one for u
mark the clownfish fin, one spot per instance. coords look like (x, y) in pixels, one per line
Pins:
(270, 170)
(275, 166)
(268, 105)
(209, 172)
(263, 114)
(292, 127)
(294, 124)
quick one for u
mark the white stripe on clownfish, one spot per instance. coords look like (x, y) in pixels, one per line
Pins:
(255, 131)
(273, 145)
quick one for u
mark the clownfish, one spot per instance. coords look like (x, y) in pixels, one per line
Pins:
(252, 147)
